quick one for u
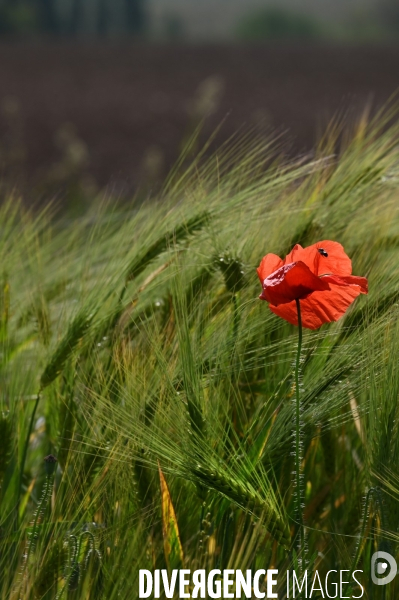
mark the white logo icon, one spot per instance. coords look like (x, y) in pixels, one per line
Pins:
(379, 565)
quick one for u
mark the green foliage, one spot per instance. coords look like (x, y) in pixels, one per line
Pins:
(76, 331)
(173, 237)
(276, 23)
(18, 18)
(22, 17)
(152, 355)
(6, 437)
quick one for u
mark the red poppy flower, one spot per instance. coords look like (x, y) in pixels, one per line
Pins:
(319, 276)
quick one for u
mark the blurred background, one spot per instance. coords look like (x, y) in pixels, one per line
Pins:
(102, 95)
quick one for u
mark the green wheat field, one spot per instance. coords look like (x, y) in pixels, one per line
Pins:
(135, 350)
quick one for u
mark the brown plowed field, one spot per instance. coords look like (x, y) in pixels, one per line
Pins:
(132, 104)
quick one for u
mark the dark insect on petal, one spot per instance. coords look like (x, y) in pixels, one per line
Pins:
(323, 252)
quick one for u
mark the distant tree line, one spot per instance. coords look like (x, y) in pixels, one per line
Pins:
(72, 17)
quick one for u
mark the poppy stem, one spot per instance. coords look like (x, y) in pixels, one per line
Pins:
(298, 468)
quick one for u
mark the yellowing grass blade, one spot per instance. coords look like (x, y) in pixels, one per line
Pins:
(171, 539)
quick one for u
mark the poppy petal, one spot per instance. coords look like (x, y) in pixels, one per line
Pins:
(323, 258)
(290, 282)
(295, 255)
(350, 280)
(322, 307)
(269, 263)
